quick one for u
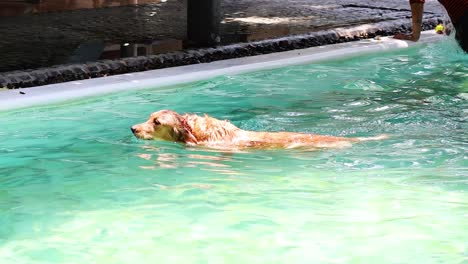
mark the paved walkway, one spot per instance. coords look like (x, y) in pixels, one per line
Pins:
(259, 19)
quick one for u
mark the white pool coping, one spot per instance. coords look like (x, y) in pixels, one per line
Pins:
(57, 93)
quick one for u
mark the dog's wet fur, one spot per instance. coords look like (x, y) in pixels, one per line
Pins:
(221, 134)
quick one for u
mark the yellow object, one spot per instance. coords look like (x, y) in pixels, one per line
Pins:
(439, 29)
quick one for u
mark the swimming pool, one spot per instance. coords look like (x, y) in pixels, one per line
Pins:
(77, 187)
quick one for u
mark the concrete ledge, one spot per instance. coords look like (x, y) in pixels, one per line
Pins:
(54, 93)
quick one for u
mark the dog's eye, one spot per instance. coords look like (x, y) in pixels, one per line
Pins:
(156, 122)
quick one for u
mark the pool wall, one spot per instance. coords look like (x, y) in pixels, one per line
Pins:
(56, 93)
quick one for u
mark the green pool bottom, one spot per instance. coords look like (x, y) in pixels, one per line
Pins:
(77, 187)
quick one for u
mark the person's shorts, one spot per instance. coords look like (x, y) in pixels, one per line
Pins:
(462, 32)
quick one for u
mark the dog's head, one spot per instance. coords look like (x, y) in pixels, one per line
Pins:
(166, 125)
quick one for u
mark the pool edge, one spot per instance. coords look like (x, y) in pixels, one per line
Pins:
(56, 93)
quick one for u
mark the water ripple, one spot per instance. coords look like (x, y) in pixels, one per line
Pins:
(76, 185)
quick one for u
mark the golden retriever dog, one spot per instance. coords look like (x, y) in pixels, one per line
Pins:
(221, 134)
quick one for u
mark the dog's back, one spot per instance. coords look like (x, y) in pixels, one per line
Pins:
(217, 133)
(209, 129)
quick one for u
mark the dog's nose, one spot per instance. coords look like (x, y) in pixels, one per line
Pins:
(133, 129)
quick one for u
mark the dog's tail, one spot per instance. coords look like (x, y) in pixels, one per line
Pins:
(379, 137)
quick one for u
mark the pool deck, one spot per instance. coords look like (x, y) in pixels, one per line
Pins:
(57, 93)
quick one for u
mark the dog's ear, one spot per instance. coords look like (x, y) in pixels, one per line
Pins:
(184, 135)
(190, 138)
(184, 132)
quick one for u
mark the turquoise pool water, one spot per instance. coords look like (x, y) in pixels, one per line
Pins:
(77, 187)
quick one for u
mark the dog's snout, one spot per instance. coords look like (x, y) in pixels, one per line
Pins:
(133, 129)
